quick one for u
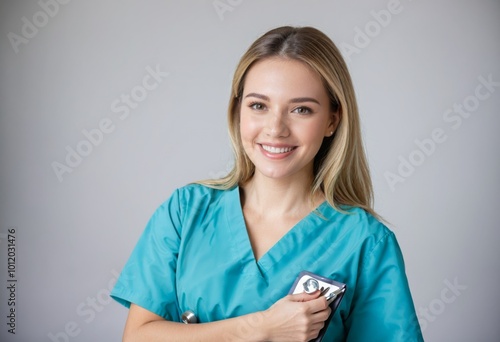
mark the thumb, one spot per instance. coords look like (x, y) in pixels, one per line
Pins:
(304, 297)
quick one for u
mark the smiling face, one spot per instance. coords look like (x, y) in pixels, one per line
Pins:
(284, 116)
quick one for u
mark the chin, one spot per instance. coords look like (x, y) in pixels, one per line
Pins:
(276, 174)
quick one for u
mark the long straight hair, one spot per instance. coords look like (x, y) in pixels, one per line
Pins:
(340, 166)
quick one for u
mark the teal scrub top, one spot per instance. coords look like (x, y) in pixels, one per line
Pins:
(195, 254)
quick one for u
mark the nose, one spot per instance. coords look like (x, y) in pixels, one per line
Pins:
(276, 125)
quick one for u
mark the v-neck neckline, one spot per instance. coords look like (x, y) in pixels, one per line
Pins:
(239, 232)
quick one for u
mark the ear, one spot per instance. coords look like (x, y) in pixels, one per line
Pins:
(334, 122)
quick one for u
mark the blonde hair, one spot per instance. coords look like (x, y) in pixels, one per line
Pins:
(340, 167)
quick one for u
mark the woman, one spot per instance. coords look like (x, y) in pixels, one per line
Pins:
(298, 198)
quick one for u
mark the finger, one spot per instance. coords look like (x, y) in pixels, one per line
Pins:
(304, 297)
(317, 326)
(321, 316)
(317, 304)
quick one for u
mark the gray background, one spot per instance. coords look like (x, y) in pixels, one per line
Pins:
(74, 235)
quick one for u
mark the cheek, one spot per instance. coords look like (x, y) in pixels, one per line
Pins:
(313, 133)
(248, 128)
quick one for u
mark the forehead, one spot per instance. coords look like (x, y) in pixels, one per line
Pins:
(283, 77)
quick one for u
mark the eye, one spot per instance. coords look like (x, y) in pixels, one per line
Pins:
(302, 110)
(257, 106)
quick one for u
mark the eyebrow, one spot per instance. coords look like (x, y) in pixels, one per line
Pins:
(294, 100)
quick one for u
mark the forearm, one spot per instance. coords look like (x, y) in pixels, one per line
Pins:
(249, 327)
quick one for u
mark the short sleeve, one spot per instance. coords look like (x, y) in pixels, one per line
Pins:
(382, 308)
(148, 278)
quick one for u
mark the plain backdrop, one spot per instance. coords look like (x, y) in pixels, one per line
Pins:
(65, 71)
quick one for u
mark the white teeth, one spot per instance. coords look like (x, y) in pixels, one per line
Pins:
(272, 149)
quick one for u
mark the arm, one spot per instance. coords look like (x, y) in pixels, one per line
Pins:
(297, 317)
(382, 308)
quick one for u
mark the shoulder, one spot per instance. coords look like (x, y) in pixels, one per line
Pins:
(188, 203)
(195, 196)
(357, 220)
(360, 228)
(195, 192)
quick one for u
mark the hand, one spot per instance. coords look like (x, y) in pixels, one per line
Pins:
(297, 317)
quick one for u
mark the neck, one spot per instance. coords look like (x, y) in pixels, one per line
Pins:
(273, 197)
